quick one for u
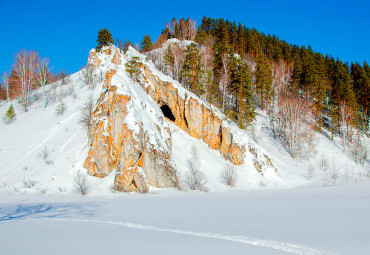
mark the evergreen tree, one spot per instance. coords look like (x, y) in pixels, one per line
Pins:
(104, 39)
(133, 67)
(242, 91)
(147, 44)
(263, 76)
(361, 85)
(169, 59)
(192, 70)
(9, 115)
(212, 91)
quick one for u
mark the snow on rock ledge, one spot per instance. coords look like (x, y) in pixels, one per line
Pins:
(128, 134)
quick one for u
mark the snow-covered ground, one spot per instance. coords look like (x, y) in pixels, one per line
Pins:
(332, 220)
(274, 213)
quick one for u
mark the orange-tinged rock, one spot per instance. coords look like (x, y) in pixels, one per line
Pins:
(93, 59)
(117, 58)
(108, 77)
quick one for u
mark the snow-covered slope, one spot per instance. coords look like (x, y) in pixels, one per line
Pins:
(24, 168)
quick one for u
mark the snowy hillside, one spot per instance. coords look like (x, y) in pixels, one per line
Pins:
(42, 151)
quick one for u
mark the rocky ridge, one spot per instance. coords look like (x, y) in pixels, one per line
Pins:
(129, 131)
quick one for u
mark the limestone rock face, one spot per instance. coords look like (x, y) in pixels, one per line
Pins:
(93, 59)
(117, 58)
(195, 118)
(130, 137)
(134, 153)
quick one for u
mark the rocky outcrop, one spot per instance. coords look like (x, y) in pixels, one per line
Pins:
(93, 59)
(141, 155)
(114, 146)
(117, 58)
(195, 118)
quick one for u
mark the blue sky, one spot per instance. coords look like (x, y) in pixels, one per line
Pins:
(65, 31)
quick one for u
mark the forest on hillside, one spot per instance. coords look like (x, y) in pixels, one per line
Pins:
(240, 69)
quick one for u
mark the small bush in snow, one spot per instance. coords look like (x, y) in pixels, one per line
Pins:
(324, 164)
(359, 151)
(195, 178)
(310, 171)
(228, 175)
(86, 111)
(61, 108)
(29, 184)
(9, 115)
(49, 162)
(88, 75)
(81, 184)
(44, 154)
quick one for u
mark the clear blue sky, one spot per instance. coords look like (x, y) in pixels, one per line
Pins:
(65, 31)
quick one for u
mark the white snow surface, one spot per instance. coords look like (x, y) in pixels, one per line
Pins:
(22, 170)
(314, 221)
(271, 214)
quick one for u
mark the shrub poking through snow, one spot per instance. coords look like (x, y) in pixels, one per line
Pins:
(310, 171)
(61, 108)
(86, 111)
(228, 175)
(9, 115)
(195, 178)
(133, 67)
(81, 184)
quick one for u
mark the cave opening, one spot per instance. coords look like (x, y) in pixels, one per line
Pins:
(168, 113)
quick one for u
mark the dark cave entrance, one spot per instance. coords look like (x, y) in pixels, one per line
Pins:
(168, 113)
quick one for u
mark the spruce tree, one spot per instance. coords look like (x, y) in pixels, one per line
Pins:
(133, 67)
(104, 39)
(147, 44)
(192, 70)
(9, 115)
(242, 91)
(213, 95)
(263, 76)
(169, 59)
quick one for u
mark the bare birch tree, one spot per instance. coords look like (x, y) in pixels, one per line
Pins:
(43, 69)
(25, 68)
(294, 122)
(5, 80)
(225, 79)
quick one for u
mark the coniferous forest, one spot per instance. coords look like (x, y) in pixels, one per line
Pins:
(240, 69)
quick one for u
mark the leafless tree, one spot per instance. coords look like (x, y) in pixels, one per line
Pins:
(26, 63)
(88, 74)
(228, 175)
(195, 178)
(81, 184)
(225, 78)
(43, 70)
(5, 80)
(347, 122)
(179, 57)
(122, 44)
(294, 122)
(359, 150)
(310, 171)
(86, 112)
(61, 108)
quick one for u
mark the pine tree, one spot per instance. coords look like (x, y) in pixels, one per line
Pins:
(9, 115)
(133, 67)
(212, 91)
(263, 76)
(242, 91)
(104, 39)
(169, 60)
(192, 70)
(147, 44)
